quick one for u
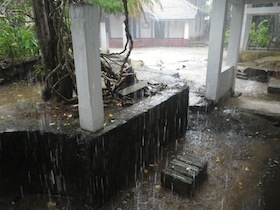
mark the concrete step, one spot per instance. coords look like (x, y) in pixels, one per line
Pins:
(133, 88)
(274, 87)
(184, 174)
(242, 75)
(199, 103)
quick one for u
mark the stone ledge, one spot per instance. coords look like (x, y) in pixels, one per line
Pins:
(91, 167)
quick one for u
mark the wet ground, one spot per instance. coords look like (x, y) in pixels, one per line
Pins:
(241, 145)
(242, 151)
(21, 108)
(240, 140)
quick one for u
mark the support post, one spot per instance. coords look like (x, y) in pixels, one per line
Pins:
(104, 38)
(186, 30)
(216, 46)
(246, 27)
(234, 39)
(85, 35)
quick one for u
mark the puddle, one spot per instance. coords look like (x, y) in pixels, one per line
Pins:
(20, 92)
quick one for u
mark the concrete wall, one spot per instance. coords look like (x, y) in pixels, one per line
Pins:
(93, 167)
(197, 27)
(176, 29)
(225, 86)
(144, 28)
(253, 55)
(116, 26)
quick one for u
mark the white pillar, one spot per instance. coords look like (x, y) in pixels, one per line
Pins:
(216, 46)
(234, 39)
(246, 28)
(186, 30)
(85, 35)
(103, 38)
(124, 36)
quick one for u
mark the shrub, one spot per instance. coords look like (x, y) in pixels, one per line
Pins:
(259, 35)
(17, 37)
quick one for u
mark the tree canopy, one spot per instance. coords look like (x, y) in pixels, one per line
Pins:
(135, 7)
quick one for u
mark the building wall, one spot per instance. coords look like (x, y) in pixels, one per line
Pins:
(176, 29)
(197, 27)
(116, 26)
(144, 27)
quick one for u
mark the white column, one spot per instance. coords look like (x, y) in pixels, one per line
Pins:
(104, 38)
(186, 30)
(216, 46)
(124, 36)
(234, 39)
(246, 28)
(85, 35)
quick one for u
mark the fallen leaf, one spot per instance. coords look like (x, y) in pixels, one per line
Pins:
(110, 115)
(157, 186)
(153, 165)
(51, 204)
(218, 159)
(240, 185)
(144, 183)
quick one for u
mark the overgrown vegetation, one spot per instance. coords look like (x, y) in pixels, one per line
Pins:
(259, 37)
(259, 34)
(18, 39)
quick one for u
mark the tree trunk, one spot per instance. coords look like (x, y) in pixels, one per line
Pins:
(45, 33)
(48, 16)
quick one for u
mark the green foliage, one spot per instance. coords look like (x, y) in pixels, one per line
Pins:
(17, 37)
(226, 37)
(116, 6)
(108, 6)
(259, 34)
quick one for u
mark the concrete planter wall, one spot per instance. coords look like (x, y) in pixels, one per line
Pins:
(92, 167)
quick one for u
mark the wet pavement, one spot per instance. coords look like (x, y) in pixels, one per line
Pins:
(190, 65)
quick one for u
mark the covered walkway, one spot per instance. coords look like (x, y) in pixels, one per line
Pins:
(220, 79)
